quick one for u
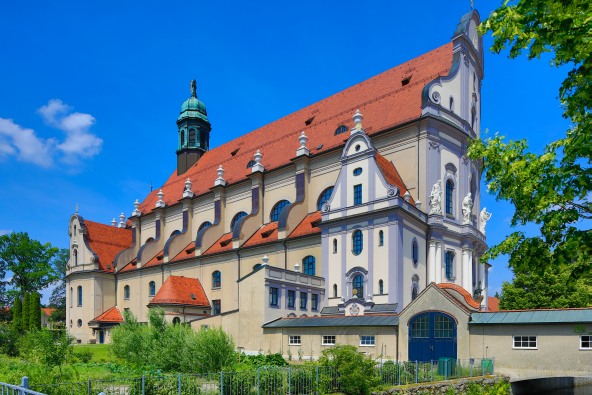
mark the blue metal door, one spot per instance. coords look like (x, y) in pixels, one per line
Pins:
(101, 337)
(432, 336)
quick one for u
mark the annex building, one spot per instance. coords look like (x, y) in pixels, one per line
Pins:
(354, 220)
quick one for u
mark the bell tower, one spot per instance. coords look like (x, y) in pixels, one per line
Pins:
(193, 131)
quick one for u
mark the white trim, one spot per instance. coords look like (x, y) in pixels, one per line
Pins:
(292, 342)
(527, 341)
(327, 337)
(370, 337)
(589, 348)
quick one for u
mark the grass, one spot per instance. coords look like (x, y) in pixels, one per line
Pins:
(100, 352)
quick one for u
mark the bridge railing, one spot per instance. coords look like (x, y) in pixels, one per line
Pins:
(22, 389)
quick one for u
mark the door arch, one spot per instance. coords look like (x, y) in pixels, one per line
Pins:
(432, 335)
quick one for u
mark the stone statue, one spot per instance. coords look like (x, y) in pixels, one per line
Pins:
(193, 88)
(467, 208)
(436, 199)
(484, 216)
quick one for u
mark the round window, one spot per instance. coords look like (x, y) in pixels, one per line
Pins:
(357, 171)
(358, 147)
(79, 323)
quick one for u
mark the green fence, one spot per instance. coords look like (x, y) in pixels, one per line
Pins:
(293, 380)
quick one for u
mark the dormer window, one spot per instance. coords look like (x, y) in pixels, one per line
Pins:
(340, 129)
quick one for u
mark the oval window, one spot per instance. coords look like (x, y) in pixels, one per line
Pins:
(357, 171)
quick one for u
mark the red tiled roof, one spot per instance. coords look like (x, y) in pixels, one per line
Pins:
(492, 303)
(188, 252)
(106, 241)
(223, 244)
(266, 234)
(383, 100)
(129, 267)
(182, 291)
(308, 226)
(48, 311)
(113, 315)
(463, 292)
(391, 175)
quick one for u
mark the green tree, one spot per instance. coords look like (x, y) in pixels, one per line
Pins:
(552, 190)
(25, 312)
(212, 350)
(35, 311)
(355, 371)
(48, 348)
(555, 288)
(57, 300)
(17, 315)
(31, 263)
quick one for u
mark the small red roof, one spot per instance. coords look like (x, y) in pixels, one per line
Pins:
(113, 315)
(463, 292)
(392, 175)
(266, 234)
(48, 310)
(308, 226)
(181, 291)
(186, 253)
(223, 244)
(106, 241)
(492, 303)
(386, 100)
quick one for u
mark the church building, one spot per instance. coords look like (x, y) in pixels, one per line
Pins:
(330, 225)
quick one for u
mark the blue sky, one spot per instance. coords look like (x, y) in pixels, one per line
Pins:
(90, 91)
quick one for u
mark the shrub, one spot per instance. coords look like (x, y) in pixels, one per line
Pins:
(355, 371)
(84, 356)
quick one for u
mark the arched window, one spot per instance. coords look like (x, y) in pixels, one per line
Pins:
(216, 279)
(449, 262)
(277, 209)
(380, 238)
(451, 104)
(335, 246)
(204, 225)
(79, 289)
(126, 292)
(415, 252)
(192, 138)
(71, 296)
(151, 288)
(357, 242)
(236, 218)
(75, 257)
(79, 323)
(381, 287)
(449, 194)
(358, 286)
(176, 321)
(334, 290)
(324, 197)
(309, 265)
(182, 138)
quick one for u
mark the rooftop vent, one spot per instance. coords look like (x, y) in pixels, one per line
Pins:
(193, 297)
(406, 80)
(309, 120)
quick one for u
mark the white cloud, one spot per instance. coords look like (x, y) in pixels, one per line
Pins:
(78, 142)
(24, 143)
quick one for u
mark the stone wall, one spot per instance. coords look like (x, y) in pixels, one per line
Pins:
(441, 387)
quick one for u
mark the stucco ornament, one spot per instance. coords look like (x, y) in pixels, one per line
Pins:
(484, 216)
(436, 198)
(467, 208)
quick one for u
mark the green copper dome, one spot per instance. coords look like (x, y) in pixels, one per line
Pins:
(193, 107)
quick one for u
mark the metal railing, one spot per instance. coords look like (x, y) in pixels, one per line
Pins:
(293, 380)
(22, 389)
